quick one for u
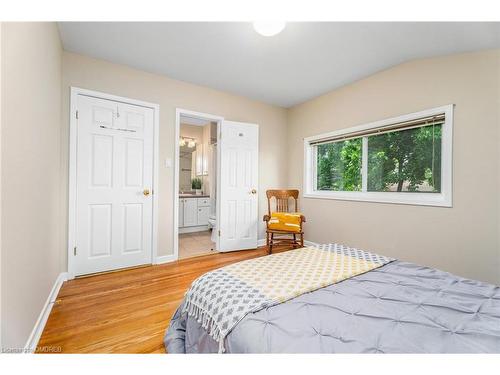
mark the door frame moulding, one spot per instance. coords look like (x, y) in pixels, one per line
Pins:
(206, 116)
(72, 198)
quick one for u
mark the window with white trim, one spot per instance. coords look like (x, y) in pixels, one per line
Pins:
(406, 159)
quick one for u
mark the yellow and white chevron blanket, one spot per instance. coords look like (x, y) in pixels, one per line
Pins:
(219, 299)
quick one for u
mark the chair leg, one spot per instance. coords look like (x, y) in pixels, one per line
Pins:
(302, 240)
(267, 240)
(271, 244)
(294, 241)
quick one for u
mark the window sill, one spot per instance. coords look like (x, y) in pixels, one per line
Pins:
(415, 199)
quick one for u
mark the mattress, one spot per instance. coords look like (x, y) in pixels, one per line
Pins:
(398, 308)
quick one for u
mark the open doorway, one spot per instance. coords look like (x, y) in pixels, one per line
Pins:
(197, 177)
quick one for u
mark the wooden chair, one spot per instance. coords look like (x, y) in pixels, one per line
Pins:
(282, 199)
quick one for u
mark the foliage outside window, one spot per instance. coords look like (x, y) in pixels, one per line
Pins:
(339, 165)
(404, 162)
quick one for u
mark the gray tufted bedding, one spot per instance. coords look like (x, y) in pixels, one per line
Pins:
(398, 308)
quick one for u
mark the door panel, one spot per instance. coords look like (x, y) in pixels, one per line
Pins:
(114, 166)
(100, 230)
(102, 160)
(239, 150)
(134, 162)
(132, 227)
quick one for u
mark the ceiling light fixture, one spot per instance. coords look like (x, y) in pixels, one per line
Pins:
(191, 143)
(269, 28)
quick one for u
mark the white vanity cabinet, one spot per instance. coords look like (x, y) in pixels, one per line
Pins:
(194, 212)
(203, 211)
(190, 212)
(181, 212)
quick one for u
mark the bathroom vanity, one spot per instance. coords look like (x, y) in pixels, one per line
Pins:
(194, 211)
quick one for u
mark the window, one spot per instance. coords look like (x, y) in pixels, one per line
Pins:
(400, 160)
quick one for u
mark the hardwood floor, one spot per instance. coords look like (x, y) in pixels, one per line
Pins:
(126, 311)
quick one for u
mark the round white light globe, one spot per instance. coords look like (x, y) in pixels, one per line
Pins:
(268, 28)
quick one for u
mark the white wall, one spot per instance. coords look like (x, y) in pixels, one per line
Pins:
(463, 239)
(31, 173)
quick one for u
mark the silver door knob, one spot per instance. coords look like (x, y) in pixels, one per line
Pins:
(253, 191)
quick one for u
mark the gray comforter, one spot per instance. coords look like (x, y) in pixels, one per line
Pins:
(398, 308)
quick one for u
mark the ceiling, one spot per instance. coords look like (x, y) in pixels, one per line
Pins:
(307, 59)
(194, 121)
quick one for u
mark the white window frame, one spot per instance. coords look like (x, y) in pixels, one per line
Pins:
(442, 199)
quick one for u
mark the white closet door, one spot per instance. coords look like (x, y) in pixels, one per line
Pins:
(238, 221)
(114, 182)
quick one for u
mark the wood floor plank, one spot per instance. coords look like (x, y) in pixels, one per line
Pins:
(127, 311)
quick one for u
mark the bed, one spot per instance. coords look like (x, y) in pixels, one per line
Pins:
(399, 307)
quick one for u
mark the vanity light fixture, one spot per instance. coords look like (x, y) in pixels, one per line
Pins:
(190, 142)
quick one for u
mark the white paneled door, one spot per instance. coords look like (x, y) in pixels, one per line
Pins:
(239, 153)
(114, 180)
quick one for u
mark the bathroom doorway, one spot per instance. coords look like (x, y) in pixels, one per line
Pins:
(197, 184)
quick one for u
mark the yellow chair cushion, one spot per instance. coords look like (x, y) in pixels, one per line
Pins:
(284, 221)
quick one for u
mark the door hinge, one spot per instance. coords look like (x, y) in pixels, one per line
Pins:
(76, 114)
(219, 233)
(74, 251)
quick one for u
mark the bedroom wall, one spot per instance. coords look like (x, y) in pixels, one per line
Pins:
(463, 239)
(30, 168)
(121, 80)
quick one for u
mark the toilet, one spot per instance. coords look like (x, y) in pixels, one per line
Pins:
(212, 224)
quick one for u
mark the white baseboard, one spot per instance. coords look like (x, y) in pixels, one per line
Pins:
(37, 331)
(201, 228)
(310, 243)
(165, 259)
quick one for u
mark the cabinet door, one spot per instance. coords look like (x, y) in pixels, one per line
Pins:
(203, 202)
(203, 213)
(190, 212)
(181, 213)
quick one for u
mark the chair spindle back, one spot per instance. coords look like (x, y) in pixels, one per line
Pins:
(282, 200)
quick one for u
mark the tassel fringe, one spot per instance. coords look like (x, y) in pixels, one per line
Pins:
(207, 322)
